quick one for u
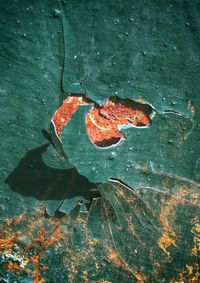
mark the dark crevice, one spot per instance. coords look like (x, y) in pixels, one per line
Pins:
(170, 111)
(120, 182)
(109, 142)
(140, 124)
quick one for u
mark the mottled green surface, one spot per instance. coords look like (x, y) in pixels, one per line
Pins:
(150, 232)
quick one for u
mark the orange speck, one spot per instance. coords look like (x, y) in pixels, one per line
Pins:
(34, 259)
(119, 228)
(44, 268)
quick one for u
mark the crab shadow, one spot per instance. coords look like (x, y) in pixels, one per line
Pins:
(32, 177)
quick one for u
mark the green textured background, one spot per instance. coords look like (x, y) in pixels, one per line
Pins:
(133, 49)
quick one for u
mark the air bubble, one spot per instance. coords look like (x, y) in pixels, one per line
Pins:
(93, 169)
(56, 13)
(113, 155)
(43, 102)
(116, 21)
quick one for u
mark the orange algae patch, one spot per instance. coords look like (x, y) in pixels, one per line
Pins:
(114, 257)
(102, 122)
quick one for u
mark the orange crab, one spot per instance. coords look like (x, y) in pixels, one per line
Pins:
(103, 122)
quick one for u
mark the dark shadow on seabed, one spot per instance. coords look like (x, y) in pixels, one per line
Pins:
(32, 177)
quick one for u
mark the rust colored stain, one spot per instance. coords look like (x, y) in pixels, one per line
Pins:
(167, 218)
(167, 215)
(196, 231)
(114, 256)
(13, 266)
(191, 274)
(41, 239)
(102, 122)
(64, 113)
